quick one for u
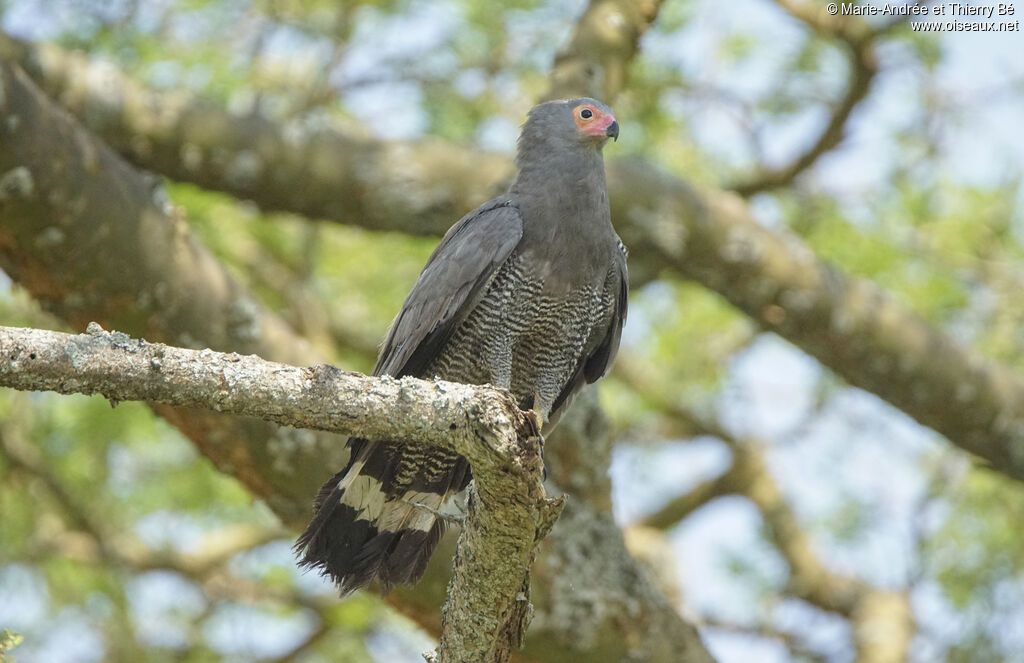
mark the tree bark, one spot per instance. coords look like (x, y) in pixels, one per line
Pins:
(596, 59)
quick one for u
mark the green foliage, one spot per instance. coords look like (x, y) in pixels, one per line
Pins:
(848, 521)
(975, 558)
(8, 641)
(977, 547)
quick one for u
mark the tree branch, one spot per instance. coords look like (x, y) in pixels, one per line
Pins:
(604, 42)
(488, 609)
(850, 325)
(206, 565)
(858, 38)
(854, 30)
(91, 238)
(318, 398)
(252, 158)
(863, 68)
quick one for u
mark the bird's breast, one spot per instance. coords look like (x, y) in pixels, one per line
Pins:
(525, 334)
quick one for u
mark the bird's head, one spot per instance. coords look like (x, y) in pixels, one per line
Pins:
(582, 122)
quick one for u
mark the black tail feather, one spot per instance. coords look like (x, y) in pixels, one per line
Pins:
(408, 556)
(353, 551)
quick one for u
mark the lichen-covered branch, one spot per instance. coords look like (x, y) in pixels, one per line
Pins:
(508, 513)
(319, 398)
(488, 607)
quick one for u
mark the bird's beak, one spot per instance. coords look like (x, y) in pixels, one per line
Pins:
(612, 131)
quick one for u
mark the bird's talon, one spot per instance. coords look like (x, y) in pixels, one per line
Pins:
(534, 414)
(448, 518)
(534, 421)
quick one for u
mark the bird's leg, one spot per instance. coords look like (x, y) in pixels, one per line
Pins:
(537, 416)
(449, 518)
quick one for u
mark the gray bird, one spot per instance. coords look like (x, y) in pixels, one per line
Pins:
(528, 293)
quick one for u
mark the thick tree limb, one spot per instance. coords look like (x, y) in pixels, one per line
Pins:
(852, 327)
(488, 608)
(848, 324)
(606, 38)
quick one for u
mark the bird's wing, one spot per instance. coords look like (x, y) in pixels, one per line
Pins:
(596, 362)
(600, 361)
(451, 284)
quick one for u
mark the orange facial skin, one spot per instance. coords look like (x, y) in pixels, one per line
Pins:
(591, 120)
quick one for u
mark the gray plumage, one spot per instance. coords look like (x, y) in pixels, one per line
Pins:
(528, 293)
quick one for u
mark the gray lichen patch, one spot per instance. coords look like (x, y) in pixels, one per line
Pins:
(244, 169)
(17, 183)
(244, 323)
(286, 443)
(586, 594)
(75, 355)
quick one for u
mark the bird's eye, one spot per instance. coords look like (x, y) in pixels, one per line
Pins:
(586, 113)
